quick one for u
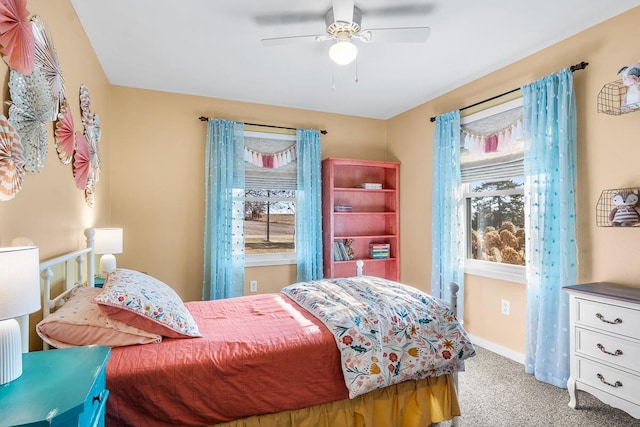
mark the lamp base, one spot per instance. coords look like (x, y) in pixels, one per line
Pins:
(107, 263)
(10, 351)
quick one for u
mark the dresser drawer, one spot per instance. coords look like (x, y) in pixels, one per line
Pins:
(609, 349)
(99, 416)
(96, 400)
(609, 380)
(610, 318)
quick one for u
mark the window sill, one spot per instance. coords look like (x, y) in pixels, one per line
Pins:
(508, 272)
(266, 260)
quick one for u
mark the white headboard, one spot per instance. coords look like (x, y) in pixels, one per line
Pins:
(82, 257)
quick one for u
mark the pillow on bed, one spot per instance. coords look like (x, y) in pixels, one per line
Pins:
(81, 322)
(146, 303)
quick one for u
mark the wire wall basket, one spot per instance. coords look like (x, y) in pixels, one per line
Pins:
(612, 97)
(605, 206)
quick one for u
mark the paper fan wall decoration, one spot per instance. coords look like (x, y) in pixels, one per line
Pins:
(92, 131)
(93, 134)
(16, 35)
(85, 106)
(31, 108)
(89, 191)
(82, 170)
(11, 161)
(81, 161)
(46, 58)
(65, 139)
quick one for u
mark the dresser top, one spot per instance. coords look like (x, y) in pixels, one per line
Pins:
(607, 290)
(53, 384)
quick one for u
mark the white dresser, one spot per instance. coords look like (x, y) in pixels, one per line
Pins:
(605, 344)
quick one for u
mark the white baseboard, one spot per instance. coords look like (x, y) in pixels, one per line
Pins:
(498, 349)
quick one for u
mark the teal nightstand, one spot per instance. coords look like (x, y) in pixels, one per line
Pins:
(65, 387)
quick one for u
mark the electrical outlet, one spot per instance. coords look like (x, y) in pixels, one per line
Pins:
(505, 307)
(253, 286)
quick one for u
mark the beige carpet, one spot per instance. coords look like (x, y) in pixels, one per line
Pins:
(495, 392)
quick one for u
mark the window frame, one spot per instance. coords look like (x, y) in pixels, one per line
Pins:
(493, 270)
(274, 258)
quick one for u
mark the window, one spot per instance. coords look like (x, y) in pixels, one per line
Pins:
(270, 199)
(492, 169)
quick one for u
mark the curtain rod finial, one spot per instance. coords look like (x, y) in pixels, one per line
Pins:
(581, 66)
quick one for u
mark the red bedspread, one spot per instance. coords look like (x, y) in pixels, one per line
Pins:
(258, 354)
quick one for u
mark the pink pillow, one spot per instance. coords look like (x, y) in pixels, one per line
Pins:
(81, 322)
(146, 303)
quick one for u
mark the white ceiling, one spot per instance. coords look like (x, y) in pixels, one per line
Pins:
(212, 48)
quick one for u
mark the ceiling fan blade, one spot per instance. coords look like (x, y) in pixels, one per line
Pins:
(401, 10)
(288, 18)
(276, 41)
(343, 10)
(399, 35)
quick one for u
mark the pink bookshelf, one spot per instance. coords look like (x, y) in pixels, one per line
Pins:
(373, 216)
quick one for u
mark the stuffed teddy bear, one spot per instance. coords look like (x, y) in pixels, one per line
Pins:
(631, 78)
(626, 212)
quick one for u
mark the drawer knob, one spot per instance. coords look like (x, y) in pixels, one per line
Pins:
(613, 322)
(616, 385)
(615, 353)
(97, 398)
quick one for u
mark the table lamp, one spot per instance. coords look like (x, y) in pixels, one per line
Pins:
(108, 241)
(19, 296)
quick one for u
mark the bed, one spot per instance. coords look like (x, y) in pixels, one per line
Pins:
(295, 358)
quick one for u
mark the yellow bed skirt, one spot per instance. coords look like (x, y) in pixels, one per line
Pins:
(409, 404)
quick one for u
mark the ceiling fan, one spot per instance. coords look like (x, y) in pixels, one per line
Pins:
(343, 24)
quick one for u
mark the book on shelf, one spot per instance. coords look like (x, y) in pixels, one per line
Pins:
(370, 186)
(379, 250)
(340, 252)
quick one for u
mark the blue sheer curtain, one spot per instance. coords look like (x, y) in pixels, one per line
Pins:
(224, 211)
(447, 264)
(309, 206)
(550, 168)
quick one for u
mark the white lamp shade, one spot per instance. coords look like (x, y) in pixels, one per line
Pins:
(343, 52)
(108, 241)
(19, 281)
(19, 296)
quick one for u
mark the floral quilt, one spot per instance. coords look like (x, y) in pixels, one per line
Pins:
(386, 332)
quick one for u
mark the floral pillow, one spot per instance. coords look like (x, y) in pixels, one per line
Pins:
(146, 303)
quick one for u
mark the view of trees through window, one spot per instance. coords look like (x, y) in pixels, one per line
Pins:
(496, 212)
(269, 221)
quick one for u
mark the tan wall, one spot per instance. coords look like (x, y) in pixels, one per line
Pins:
(158, 171)
(608, 153)
(49, 209)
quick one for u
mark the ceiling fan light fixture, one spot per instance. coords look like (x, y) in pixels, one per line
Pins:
(343, 52)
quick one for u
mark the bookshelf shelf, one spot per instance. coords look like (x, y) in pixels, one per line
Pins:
(364, 216)
(368, 260)
(363, 236)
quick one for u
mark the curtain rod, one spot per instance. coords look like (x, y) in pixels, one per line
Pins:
(205, 119)
(576, 67)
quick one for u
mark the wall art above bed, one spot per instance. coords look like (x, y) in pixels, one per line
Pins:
(92, 133)
(11, 161)
(31, 108)
(16, 36)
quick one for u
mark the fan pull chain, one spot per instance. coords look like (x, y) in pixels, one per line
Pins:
(356, 69)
